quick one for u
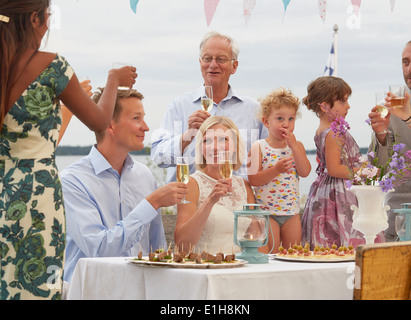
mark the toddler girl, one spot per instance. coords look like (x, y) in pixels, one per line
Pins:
(276, 163)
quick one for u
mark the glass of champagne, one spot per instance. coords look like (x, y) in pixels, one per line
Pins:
(183, 173)
(225, 166)
(380, 103)
(118, 65)
(398, 92)
(207, 99)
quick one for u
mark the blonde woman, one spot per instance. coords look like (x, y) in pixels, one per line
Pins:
(207, 222)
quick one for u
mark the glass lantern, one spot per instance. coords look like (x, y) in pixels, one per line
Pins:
(251, 232)
(403, 222)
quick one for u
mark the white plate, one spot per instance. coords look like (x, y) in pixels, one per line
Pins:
(188, 264)
(315, 259)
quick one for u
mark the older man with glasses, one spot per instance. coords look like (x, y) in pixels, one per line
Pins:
(184, 116)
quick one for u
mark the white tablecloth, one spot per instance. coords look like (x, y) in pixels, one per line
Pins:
(116, 278)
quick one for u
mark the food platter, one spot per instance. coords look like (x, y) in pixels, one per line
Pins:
(313, 258)
(298, 253)
(187, 264)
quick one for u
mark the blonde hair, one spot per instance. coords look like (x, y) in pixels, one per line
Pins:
(239, 153)
(276, 99)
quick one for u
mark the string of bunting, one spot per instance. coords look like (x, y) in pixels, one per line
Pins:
(210, 7)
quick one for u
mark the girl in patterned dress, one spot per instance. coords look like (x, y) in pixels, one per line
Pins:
(32, 225)
(276, 163)
(327, 217)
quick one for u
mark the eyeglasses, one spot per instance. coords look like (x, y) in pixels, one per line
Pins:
(219, 60)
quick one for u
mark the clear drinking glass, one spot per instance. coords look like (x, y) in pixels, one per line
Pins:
(118, 65)
(183, 173)
(207, 99)
(398, 92)
(400, 225)
(226, 166)
(380, 103)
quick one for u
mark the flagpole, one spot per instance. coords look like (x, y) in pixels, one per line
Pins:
(335, 50)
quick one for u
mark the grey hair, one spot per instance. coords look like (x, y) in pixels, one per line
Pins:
(235, 49)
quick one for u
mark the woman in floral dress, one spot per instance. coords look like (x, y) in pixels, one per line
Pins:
(32, 225)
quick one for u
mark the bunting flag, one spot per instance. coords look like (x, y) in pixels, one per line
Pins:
(392, 5)
(133, 5)
(248, 6)
(210, 7)
(322, 8)
(356, 4)
(330, 67)
(286, 3)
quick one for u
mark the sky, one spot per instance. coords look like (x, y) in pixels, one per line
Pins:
(162, 41)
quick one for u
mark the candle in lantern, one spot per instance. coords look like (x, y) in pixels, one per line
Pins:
(249, 234)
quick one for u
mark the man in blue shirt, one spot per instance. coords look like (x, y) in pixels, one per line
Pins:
(111, 201)
(184, 116)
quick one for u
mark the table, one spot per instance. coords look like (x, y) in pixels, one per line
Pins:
(117, 279)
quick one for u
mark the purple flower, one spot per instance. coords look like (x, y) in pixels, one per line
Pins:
(398, 147)
(339, 126)
(386, 184)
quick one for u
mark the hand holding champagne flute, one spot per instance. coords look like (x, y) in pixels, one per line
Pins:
(380, 103)
(226, 166)
(183, 173)
(207, 99)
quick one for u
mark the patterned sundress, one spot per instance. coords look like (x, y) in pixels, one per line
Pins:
(327, 217)
(32, 222)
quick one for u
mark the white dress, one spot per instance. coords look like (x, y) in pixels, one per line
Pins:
(218, 233)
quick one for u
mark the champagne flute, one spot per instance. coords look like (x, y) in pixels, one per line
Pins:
(118, 65)
(400, 225)
(380, 103)
(398, 92)
(207, 99)
(225, 166)
(183, 173)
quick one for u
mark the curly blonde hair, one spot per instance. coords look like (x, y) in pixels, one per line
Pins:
(276, 99)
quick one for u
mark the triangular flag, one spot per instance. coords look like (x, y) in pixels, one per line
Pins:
(209, 8)
(133, 5)
(356, 4)
(392, 5)
(286, 3)
(322, 8)
(248, 6)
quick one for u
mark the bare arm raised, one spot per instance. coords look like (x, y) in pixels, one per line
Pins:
(97, 116)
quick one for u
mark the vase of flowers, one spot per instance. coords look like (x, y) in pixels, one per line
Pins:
(371, 182)
(370, 217)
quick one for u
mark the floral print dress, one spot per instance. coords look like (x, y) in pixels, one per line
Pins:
(327, 217)
(32, 225)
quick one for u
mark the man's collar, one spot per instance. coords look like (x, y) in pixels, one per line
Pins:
(100, 163)
(230, 94)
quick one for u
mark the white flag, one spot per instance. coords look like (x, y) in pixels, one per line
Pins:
(330, 66)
